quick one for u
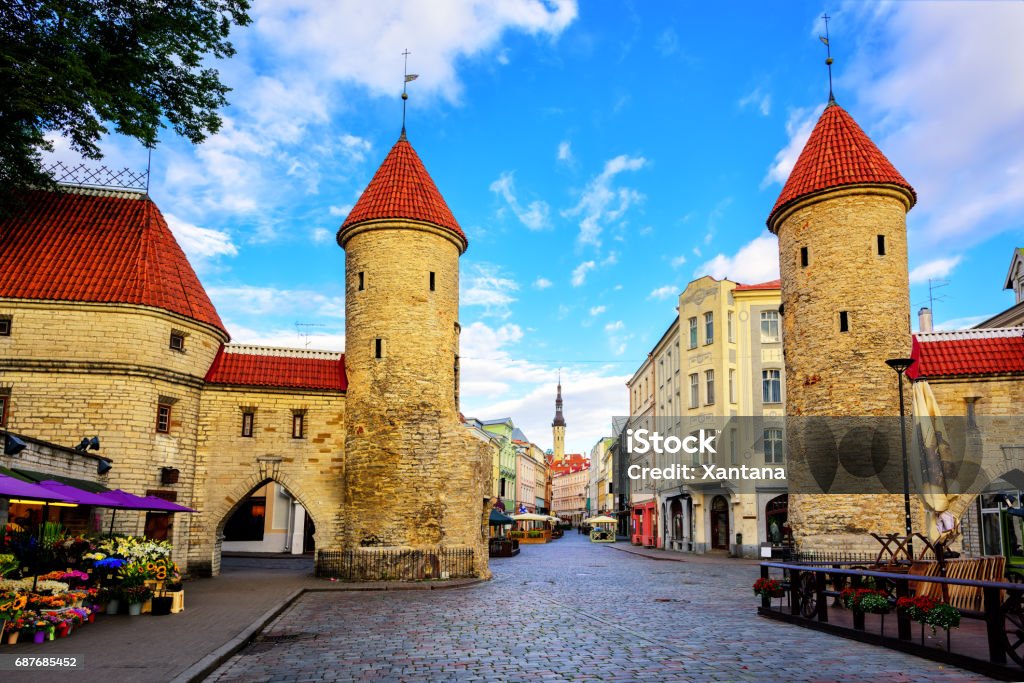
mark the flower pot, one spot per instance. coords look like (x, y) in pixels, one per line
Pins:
(12, 638)
(92, 617)
(161, 606)
(113, 606)
(39, 637)
(134, 609)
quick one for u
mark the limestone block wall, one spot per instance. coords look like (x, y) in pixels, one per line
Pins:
(414, 478)
(228, 466)
(75, 370)
(831, 372)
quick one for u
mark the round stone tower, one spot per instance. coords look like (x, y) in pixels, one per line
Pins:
(841, 224)
(414, 478)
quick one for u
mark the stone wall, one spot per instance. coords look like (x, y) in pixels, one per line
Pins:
(414, 477)
(834, 373)
(78, 370)
(228, 466)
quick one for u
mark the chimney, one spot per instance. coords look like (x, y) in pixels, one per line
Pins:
(924, 320)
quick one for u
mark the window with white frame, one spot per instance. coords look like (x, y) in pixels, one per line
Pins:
(773, 446)
(709, 327)
(693, 333)
(694, 390)
(771, 386)
(729, 327)
(709, 387)
(769, 326)
(732, 386)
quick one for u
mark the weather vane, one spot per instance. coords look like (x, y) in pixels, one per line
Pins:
(828, 59)
(408, 77)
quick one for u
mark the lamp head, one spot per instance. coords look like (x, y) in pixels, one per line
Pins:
(94, 443)
(83, 445)
(13, 445)
(900, 365)
(102, 466)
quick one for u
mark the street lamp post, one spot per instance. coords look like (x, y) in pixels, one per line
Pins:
(900, 365)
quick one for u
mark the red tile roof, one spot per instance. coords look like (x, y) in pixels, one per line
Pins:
(257, 366)
(572, 462)
(100, 246)
(996, 351)
(771, 284)
(402, 188)
(838, 153)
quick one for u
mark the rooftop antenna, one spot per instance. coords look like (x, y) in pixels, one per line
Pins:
(828, 59)
(932, 298)
(303, 330)
(408, 77)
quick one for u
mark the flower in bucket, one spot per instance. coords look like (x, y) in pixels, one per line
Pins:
(926, 610)
(770, 588)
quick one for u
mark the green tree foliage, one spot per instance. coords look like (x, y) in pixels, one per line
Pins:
(73, 67)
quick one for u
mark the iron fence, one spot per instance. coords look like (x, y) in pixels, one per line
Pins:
(395, 564)
(818, 557)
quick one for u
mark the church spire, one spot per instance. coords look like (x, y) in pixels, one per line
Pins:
(559, 420)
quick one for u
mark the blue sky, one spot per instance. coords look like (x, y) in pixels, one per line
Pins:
(599, 156)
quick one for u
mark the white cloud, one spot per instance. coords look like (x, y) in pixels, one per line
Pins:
(579, 273)
(355, 43)
(256, 301)
(762, 101)
(611, 259)
(534, 216)
(602, 202)
(286, 338)
(565, 152)
(947, 118)
(662, 293)
(343, 210)
(678, 261)
(320, 235)
(618, 338)
(798, 127)
(597, 310)
(486, 285)
(756, 261)
(201, 245)
(961, 323)
(667, 43)
(934, 270)
(542, 283)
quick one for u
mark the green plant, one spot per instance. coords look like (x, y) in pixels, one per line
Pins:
(944, 616)
(139, 593)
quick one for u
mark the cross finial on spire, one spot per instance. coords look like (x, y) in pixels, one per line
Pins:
(828, 59)
(405, 96)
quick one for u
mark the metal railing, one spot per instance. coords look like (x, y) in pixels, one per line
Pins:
(395, 564)
(1001, 609)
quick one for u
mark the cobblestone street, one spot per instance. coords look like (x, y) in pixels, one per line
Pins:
(566, 611)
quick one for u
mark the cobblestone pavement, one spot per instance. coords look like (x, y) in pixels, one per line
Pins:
(566, 611)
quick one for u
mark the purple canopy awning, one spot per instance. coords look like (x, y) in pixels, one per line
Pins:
(77, 495)
(166, 505)
(128, 501)
(16, 488)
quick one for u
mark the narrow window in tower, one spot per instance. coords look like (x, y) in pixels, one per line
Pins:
(378, 350)
(248, 418)
(298, 424)
(881, 245)
(362, 281)
(803, 257)
(431, 281)
(844, 321)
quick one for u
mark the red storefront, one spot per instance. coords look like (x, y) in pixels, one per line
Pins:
(644, 530)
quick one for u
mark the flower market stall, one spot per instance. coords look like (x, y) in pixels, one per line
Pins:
(53, 582)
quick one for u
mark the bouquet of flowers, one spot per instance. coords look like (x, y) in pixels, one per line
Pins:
(8, 563)
(12, 605)
(136, 593)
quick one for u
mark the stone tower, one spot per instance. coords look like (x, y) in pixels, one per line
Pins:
(841, 224)
(414, 478)
(558, 426)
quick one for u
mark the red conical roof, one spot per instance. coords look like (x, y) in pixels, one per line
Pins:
(402, 188)
(102, 246)
(838, 153)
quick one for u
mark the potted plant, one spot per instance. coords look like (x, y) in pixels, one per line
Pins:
(13, 629)
(113, 597)
(768, 588)
(12, 604)
(135, 595)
